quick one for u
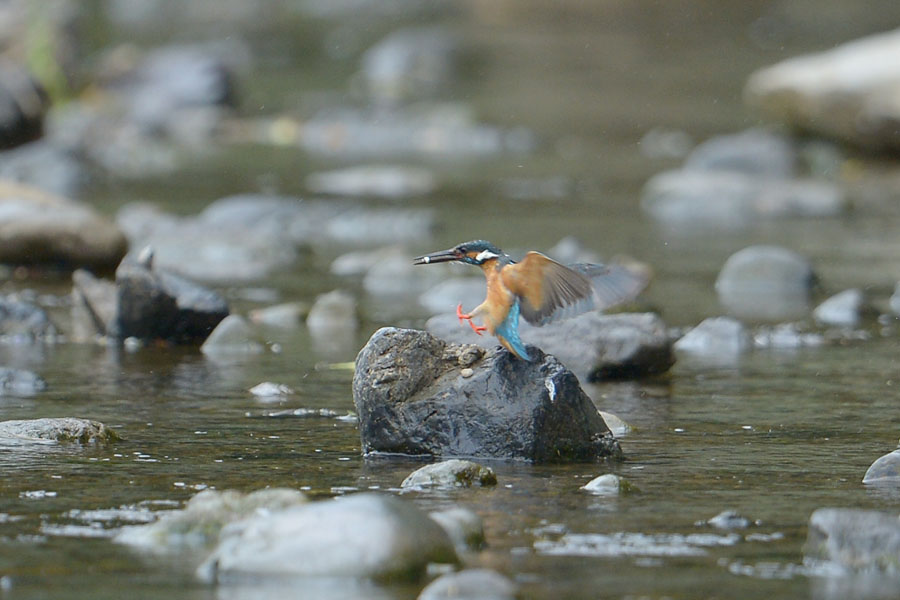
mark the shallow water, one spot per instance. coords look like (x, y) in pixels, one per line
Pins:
(773, 435)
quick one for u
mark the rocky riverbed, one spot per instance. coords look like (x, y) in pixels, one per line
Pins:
(222, 375)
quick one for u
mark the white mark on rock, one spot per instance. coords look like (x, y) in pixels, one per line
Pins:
(551, 389)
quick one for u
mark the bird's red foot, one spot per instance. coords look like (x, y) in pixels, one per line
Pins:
(467, 317)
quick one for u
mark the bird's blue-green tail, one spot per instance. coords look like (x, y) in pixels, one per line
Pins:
(509, 330)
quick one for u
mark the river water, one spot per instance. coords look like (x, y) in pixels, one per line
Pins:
(773, 435)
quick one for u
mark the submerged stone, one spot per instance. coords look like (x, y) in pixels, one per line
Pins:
(464, 527)
(19, 382)
(23, 321)
(609, 484)
(412, 399)
(66, 429)
(856, 539)
(451, 473)
(363, 536)
(470, 584)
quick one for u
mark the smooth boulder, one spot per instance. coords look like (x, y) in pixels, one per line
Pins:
(847, 92)
(417, 394)
(37, 227)
(844, 309)
(766, 283)
(200, 522)
(885, 470)
(366, 535)
(594, 346)
(716, 338)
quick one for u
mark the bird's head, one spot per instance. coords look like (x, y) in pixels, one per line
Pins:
(476, 252)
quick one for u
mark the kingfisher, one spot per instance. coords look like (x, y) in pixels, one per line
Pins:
(537, 288)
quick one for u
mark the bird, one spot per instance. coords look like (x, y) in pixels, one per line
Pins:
(537, 288)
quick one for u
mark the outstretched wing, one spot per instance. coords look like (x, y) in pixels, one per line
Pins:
(549, 291)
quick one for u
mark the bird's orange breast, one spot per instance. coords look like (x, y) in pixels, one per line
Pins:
(499, 299)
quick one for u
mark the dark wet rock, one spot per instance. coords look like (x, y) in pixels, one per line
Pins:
(373, 180)
(442, 130)
(409, 64)
(847, 92)
(233, 336)
(23, 103)
(200, 522)
(716, 337)
(765, 283)
(470, 584)
(594, 346)
(885, 470)
(66, 429)
(465, 528)
(284, 316)
(845, 309)
(37, 227)
(24, 322)
(363, 535)
(19, 382)
(756, 152)
(855, 539)
(786, 336)
(609, 484)
(46, 166)
(154, 303)
(412, 398)
(451, 473)
(447, 294)
(729, 519)
(693, 197)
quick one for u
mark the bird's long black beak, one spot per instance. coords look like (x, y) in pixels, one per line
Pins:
(437, 257)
